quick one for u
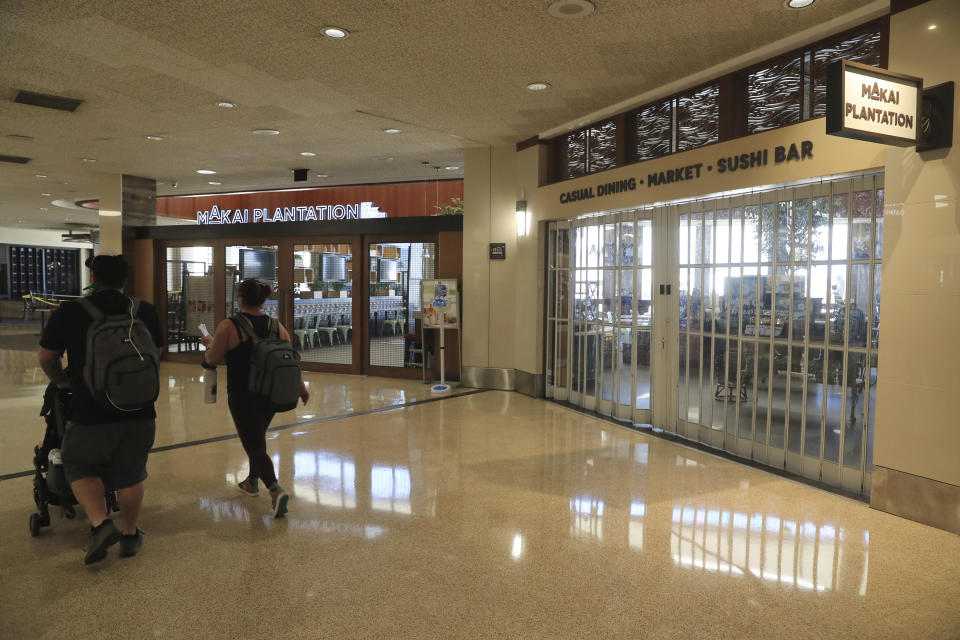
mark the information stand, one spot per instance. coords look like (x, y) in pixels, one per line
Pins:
(439, 300)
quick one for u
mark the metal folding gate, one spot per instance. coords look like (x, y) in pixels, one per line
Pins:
(748, 322)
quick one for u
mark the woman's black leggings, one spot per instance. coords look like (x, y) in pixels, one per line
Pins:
(252, 418)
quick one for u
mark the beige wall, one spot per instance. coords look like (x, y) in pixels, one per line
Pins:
(501, 301)
(476, 271)
(918, 393)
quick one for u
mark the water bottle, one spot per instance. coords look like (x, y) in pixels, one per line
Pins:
(209, 383)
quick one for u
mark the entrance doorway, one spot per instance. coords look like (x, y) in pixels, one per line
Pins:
(749, 323)
(351, 302)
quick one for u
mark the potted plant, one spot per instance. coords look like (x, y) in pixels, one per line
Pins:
(454, 208)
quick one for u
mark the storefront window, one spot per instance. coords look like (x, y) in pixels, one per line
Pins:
(323, 302)
(190, 294)
(395, 271)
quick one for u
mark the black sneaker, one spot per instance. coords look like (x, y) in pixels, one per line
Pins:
(102, 537)
(129, 545)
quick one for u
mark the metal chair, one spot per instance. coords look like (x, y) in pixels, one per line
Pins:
(301, 338)
(327, 329)
(345, 329)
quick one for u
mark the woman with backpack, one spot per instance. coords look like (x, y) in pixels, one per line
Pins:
(250, 342)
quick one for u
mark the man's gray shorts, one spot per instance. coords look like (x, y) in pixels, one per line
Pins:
(115, 451)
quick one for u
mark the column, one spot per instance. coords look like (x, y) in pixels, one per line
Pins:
(127, 202)
(916, 473)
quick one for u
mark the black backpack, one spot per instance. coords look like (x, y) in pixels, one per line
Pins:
(122, 365)
(274, 366)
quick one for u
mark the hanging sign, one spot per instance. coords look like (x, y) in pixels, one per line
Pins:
(439, 301)
(872, 104)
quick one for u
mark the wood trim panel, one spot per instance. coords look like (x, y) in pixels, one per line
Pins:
(530, 142)
(193, 234)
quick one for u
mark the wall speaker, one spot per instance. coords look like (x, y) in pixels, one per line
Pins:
(300, 175)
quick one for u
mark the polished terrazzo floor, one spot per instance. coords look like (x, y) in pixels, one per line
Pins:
(490, 515)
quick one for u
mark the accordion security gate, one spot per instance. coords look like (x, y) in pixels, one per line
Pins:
(749, 323)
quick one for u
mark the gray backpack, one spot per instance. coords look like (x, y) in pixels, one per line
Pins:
(274, 366)
(121, 369)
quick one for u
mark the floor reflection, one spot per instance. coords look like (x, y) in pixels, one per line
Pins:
(236, 511)
(586, 517)
(805, 555)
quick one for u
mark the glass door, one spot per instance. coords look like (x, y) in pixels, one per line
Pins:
(326, 302)
(393, 271)
(189, 298)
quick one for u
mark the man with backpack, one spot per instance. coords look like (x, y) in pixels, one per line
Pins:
(113, 343)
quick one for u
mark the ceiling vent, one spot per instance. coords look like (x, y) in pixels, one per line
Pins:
(20, 138)
(14, 159)
(45, 100)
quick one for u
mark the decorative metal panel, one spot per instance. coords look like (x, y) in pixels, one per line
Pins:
(652, 129)
(576, 156)
(698, 118)
(602, 147)
(863, 48)
(773, 95)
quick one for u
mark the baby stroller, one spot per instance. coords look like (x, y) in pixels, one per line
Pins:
(50, 485)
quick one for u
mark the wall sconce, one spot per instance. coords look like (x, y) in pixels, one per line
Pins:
(523, 219)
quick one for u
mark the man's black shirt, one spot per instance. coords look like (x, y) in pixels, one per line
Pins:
(67, 331)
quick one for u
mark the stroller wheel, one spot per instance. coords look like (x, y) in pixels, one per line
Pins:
(35, 524)
(69, 513)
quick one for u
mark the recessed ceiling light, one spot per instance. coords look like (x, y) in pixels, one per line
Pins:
(932, 27)
(206, 172)
(214, 182)
(323, 175)
(266, 132)
(308, 154)
(154, 137)
(43, 208)
(226, 105)
(452, 168)
(388, 159)
(538, 86)
(391, 130)
(335, 32)
(798, 4)
(45, 195)
(39, 175)
(89, 159)
(571, 8)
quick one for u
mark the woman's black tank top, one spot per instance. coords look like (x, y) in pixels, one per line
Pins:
(238, 359)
